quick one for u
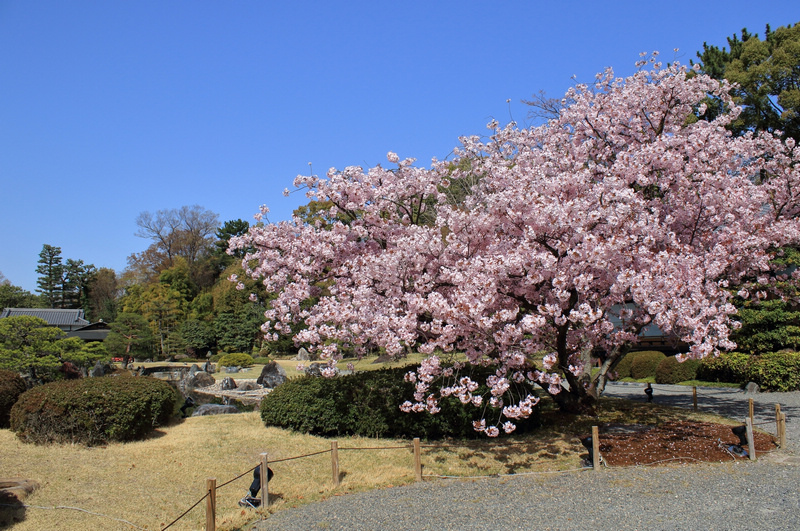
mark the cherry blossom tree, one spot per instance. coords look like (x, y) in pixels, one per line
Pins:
(542, 251)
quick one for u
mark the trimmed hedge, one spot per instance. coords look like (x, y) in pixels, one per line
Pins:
(11, 387)
(368, 404)
(672, 371)
(773, 371)
(93, 411)
(729, 367)
(236, 359)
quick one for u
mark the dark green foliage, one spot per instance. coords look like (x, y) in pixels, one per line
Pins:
(93, 410)
(672, 371)
(368, 404)
(729, 367)
(11, 386)
(261, 360)
(623, 368)
(775, 371)
(645, 363)
(236, 359)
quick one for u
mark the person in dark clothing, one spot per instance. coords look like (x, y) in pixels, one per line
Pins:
(251, 499)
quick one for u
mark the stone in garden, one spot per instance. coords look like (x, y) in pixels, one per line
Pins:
(100, 369)
(208, 367)
(248, 386)
(232, 370)
(194, 368)
(213, 409)
(315, 369)
(228, 384)
(198, 379)
(302, 355)
(751, 388)
(272, 375)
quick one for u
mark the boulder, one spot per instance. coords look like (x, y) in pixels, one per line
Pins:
(248, 386)
(751, 388)
(302, 355)
(213, 409)
(232, 370)
(228, 384)
(272, 375)
(198, 379)
(315, 369)
(100, 369)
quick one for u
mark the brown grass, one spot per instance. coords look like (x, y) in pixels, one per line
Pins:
(150, 483)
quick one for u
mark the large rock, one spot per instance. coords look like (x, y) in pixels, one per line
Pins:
(198, 379)
(272, 375)
(214, 409)
(100, 369)
(228, 384)
(315, 369)
(302, 355)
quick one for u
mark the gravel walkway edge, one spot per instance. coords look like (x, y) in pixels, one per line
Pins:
(741, 495)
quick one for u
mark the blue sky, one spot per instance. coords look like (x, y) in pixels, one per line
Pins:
(111, 108)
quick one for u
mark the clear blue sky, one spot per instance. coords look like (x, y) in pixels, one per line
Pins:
(111, 108)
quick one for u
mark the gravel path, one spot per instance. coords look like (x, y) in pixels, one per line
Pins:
(744, 495)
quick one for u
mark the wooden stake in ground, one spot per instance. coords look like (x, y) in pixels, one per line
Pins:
(595, 448)
(751, 447)
(750, 409)
(264, 478)
(211, 504)
(417, 460)
(335, 462)
(694, 397)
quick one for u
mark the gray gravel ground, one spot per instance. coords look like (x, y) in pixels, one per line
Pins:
(730, 496)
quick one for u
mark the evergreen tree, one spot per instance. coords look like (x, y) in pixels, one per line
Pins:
(51, 272)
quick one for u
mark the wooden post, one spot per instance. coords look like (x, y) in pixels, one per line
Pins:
(264, 478)
(211, 504)
(595, 448)
(694, 397)
(750, 409)
(751, 447)
(417, 460)
(335, 462)
(778, 424)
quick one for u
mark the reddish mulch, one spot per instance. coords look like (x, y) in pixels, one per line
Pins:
(673, 442)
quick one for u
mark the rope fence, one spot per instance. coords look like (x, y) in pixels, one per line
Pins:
(596, 459)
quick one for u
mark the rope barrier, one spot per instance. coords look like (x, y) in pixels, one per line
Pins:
(186, 512)
(237, 477)
(73, 509)
(272, 461)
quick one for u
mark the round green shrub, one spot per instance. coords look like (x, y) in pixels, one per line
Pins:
(623, 368)
(237, 359)
(93, 411)
(728, 367)
(368, 404)
(11, 387)
(672, 371)
(775, 371)
(645, 363)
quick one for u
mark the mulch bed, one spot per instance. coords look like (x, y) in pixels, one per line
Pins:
(674, 442)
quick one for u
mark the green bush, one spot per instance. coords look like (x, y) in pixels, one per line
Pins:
(237, 359)
(368, 404)
(776, 371)
(729, 367)
(93, 410)
(623, 368)
(645, 363)
(672, 371)
(11, 387)
(261, 360)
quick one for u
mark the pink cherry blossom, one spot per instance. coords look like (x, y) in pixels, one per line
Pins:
(566, 239)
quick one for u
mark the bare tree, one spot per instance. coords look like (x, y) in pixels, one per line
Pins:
(186, 231)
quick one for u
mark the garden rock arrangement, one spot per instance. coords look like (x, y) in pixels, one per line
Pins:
(248, 392)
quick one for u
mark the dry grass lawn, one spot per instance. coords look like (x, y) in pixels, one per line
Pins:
(147, 484)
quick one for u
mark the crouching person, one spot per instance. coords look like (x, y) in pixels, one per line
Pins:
(251, 499)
